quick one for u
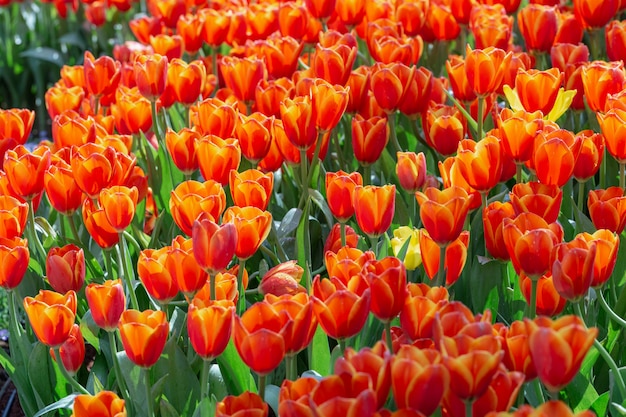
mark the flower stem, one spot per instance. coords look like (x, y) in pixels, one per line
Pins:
(518, 173)
(303, 178)
(622, 183)
(66, 375)
(32, 234)
(149, 399)
(581, 196)
(291, 364)
(342, 345)
(108, 264)
(388, 336)
(116, 367)
(204, 386)
(70, 220)
(241, 302)
(538, 390)
(440, 280)
(610, 311)
(374, 244)
(479, 118)
(262, 384)
(469, 410)
(212, 286)
(619, 380)
(342, 230)
(391, 120)
(127, 272)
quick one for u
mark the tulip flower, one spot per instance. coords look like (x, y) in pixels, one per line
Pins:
(143, 335)
(106, 302)
(26, 170)
(154, 276)
(607, 244)
(387, 281)
(369, 138)
(444, 128)
(51, 316)
(251, 188)
(62, 189)
(181, 147)
(454, 257)
(374, 208)
(103, 404)
(151, 74)
(214, 117)
(340, 188)
(216, 315)
(555, 156)
(282, 279)
(572, 269)
(65, 268)
(516, 351)
(538, 25)
(72, 351)
(248, 404)
(14, 258)
(534, 197)
(186, 80)
(217, 157)
(13, 217)
(595, 14)
(252, 228)
(412, 257)
(16, 125)
(213, 245)
(411, 170)
(590, 157)
(485, 69)
(253, 133)
(607, 209)
(191, 198)
(443, 212)
(333, 240)
(119, 204)
(92, 166)
(600, 80)
(558, 348)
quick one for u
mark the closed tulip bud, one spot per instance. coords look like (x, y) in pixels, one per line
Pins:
(106, 302)
(252, 228)
(143, 335)
(65, 268)
(493, 215)
(119, 204)
(213, 245)
(572, 269)
(541, 199)
(72, 351)
(412, 257)
(374, 208)
(607, 209)
(151, 74)
(607, 244)
(340, 188)
(14, 258)
(282, 279)
(443, 212)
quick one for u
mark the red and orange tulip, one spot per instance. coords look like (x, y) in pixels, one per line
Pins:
(374, 208)
(106, 302)
(191, 198)
(541, 199)
(443, 212)
(340, 188)
(181, 146)
(485, 69)
(143, 335)
(98, 226)
(387, 281)
(26, 170)
(601, 79)
(252, 228)
(247, 404)
(369, 138)
(455, 256)
(150, 74)
(493, 216)
(72, 351)
(607, 209)
(217, 316)
(14, 258)
(549, 302)
(242, 75)
(51, 316)
(282, 279)
(213, 245)
(217, 156)
(572, 269)
(154, 276)
(251, 188)
(607, 244)
(555, 156)
(65, 268)
(612, 124)
(103, 404)
(119, 204)
(481, 162)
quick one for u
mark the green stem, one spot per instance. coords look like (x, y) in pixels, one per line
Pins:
(469, 410)
(440, 280)
(212, 286)
(262, 384)
(518, 173)
(161, 140)
(73, 228)
(268, 252)
(282, 256)
(388, 336)
(621, 175)
(241, 302)
(303, 178)
(33, 236)
(374, 243)
(116, 367)
(127, 271)
(619, 380)
(342, 346)
(315, 160)
(339, 151)
(603, 171)
(413, 210)
(479, 118)
(391, 120)
(16, 330)
(291, 364)
(367, 174)
(77, 387)
(581, 196)
(533, 298)
(204, 386)
(483, 206)
(108, 264)
(342, 230)
(554, 395)
(149, 399)
(610, 311)
(538, 390)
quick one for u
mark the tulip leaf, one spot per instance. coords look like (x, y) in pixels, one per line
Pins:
(319, 355)
(217, 385)
(618, 409)
(42, 377)
(45, 54)
(167, 410)
(64, 403)
(271, 397)
(320, 201)
(486, 280)
(583, 223)
(235, 372)
(206, 404)
(182, 389)
(134, 382)
(289, 223)
(601, 404)
(581, 393)
(90, 330)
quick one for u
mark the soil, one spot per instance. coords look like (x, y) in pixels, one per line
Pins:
(9, 398)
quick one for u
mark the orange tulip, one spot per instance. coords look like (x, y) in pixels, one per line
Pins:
(217, 156)
(60, 98)
(106, 302)
(131, 111)
(615, 40)
(601, 79)
(590, 157)
(102, 75)
(320, 8)
(69, 128)
(387, 280)
(595, 14)
(333, 240)
(558, 348)
(455, 66)
(444, 128)
(103, 404)
(298, 117)
(374, 362)
(491, 26)
(216, 26)
(92, 166)
(242, 75)
(119, 204)
(493, 215)
(189, 27)
(213, 245)
(612, 124)
(62, 190)
(534, 197)
(252, 225)
(480, 162)
(334, 64)
(302, 324)
(251, 188)
(340, 188)
(65, 268)
(369, 138)
(181, 147)
(347, 263)
(269, 94)
(374, 208)
(572, 269)
(154, 276)
(51, 316)
(516, 350)
(412, 368)
(455, 256)
(411, 170)
(170, 46)
(186, 80)
(518, 131)
(260, 329)
(329, 104)
(14, 258)
(538, 25)
(443, 212)
(26, 170)
(440, 24)
(607, 209)
(606, 244)
(555, 156)
(529, 83)
(218, 316)
(225, 288)
(16, 125)
(184, 269)
(191, 198)
(98, 226)
(485, 69)
(389, 83)
(143, 335)
(549, 302)
(150, 74)
(529, 240)
(341, 312)
(253, 133)
(247, 404)
(214, 117)
(72, 351)
(13, 217)
(282, 279)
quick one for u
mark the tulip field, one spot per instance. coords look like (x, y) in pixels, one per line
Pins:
(313, 208)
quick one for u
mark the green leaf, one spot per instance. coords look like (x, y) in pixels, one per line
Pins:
(320, 353)
(581, 393)
(135, 382)
(167, 410)
(583, 223)
(206, 404)
(486, 280)
(45, 54)
(90, 330)
(40, 376)
(289, 223)
(217, 385)
(64, 403)
(182, 388)
(236, 373)
(320, 201)
(271, 397)
(601, 405)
